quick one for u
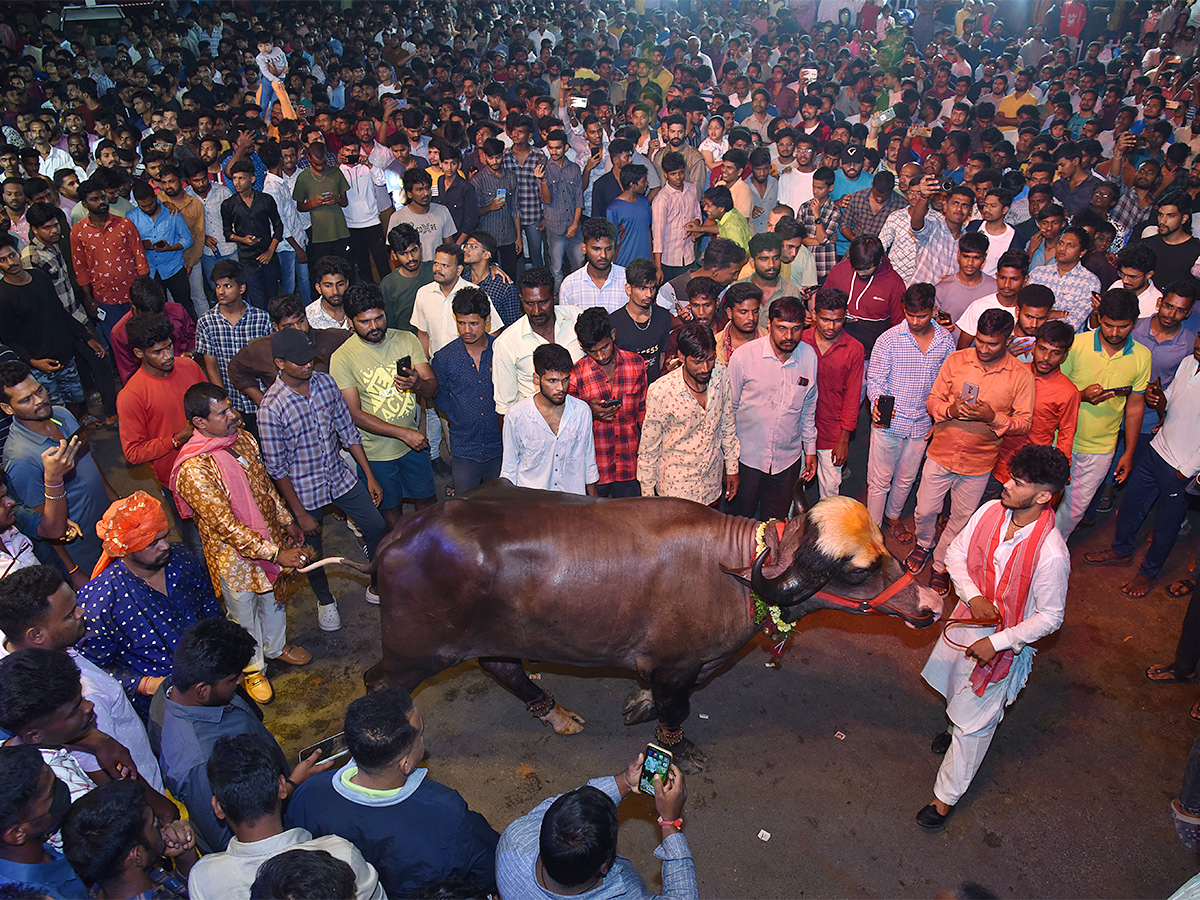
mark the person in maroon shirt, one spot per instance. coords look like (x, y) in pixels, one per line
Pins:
(605, 374)
(146, 297)
(875, 292)
(840, 367)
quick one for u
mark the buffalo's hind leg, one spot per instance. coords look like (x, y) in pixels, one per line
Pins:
(511, 673)
(672, 691)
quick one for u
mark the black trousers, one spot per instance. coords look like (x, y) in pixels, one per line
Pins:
(367, 244)
(180, 289)
(765, 496)
(509, 260)
(330, 248)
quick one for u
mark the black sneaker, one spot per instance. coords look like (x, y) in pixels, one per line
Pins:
(940, 743)
(932, 820)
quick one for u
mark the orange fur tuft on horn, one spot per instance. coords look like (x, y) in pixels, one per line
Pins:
(845, 530)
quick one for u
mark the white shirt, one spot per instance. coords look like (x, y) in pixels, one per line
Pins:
(949, 671)
(795, 189)
(1178, 440)
(512, 355)
(276, 187)
(578, 289)
(536, 457)
(433, 314)
(1147, 299)
(16, 552)
(318, 318)
(58, 159)
(997, 245)
(968, 322)
(362, 210)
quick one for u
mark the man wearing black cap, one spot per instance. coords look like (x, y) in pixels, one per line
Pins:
(303, 422)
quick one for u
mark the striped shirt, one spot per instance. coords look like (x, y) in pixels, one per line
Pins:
(566, 196)
(670, 211)
(499, 222)
(579, 290)
(899, 369)
(900, 244)
(529, 187)
(937, 250)
(1072, 292)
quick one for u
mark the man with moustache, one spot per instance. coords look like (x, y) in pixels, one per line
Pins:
(694, 169)
(548, 441)
(600, 282)
(840, 365)
(304, 424)
(331, 275)
(773, 385)
(384, 401)
(409, 274)
(742, 303)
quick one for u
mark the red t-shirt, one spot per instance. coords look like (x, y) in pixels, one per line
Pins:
(150, 412)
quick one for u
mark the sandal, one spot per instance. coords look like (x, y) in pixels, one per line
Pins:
(1194, 712)
(1187, 827)
(917, 560)
(1165, 672)
(900, 532)
(1181, 588)
(940, 582)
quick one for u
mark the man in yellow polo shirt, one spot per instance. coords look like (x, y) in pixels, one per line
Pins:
(1111, 370)
(721, 219)
(1006, 112)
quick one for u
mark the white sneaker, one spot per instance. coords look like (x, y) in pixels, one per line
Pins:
(328, 617)
(372, 596)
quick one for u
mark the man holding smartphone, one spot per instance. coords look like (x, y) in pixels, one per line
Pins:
(980, 395)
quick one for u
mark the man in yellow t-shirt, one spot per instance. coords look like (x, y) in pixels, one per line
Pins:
(1111, 370)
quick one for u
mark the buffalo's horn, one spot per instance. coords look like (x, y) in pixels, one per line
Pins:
(764, 587)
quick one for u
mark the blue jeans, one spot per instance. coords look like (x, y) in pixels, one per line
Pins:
(558, 246)
(294, 275)
(466, 473)
(1152, 479)
(207, 262)
(356, 503)
(534, 240)
(113, 313)
(262, 282)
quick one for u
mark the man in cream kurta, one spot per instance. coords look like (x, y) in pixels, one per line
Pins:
(1037, 474)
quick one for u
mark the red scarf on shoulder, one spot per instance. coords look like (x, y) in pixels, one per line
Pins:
(1010, 592)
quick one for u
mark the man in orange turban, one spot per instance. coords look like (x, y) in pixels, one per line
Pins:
(128, 526)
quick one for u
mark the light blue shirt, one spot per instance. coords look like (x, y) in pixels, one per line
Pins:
(164, 225)
(774, 404)
(536, 457)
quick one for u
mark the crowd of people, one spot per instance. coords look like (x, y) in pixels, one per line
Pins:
(312, 257)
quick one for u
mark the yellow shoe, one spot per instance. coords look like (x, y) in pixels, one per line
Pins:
(259, 688)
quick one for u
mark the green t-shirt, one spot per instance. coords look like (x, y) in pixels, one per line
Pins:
(328, 222)
(371, 368)
(400, 294)
(1087, 364)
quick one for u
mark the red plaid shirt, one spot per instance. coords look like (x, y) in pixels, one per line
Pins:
(617, 439)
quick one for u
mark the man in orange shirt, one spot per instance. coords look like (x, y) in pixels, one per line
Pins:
(980, 395)
(1055, 400)
(151, 420)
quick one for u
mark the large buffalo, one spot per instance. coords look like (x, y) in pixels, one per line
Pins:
(659, 586)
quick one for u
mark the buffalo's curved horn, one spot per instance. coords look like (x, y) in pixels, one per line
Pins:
(764, 587)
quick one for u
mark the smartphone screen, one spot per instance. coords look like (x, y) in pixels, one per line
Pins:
(658, 762)
(331, 748)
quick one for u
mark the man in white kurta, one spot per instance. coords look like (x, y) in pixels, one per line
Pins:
(1037, 474)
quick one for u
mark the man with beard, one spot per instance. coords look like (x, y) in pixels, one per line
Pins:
(1175, 250)
(600, 282)
(383, 399)
(211, 195)
(613, 383)
(1136, 204)
(937, 233)
(305, 424)
(151, 421)
(766, 251)
(548, 441)
(694, 169)
(1015, 532)
(331, 275)
(34, 803)
(773, 385)
(191, 208)
(409, 274)
(980, 395)
(689, 446)
(107, 254)
(544, 322)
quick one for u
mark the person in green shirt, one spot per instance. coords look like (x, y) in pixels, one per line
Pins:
(408, 274)
(322, 191)
(721, 219)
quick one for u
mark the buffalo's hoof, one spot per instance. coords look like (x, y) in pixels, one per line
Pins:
(690, 758)
(376, 678)
(639, 707)
(563, 721)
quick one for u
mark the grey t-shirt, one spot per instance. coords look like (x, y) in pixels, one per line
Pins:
(435, 227)
(954, 297)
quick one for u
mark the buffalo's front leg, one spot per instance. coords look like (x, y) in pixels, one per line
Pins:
(511, 674)
(672, 691)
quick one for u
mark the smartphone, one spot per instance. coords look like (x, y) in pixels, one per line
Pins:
(404, 366)
(501, 193)
(578, 102)
(160, 245)
(1123, 391)
(809, 74)
(609, 404)
(658, 762)
(886, 405)
(970, 392)
(331, 748)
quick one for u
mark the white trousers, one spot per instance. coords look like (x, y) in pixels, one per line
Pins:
(1087, 472)
(829, 476)
(891, 470)
(965, 493)
(260, 615)
(962, 760)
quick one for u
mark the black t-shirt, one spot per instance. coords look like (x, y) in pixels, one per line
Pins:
(33, 321)
(648, 340)
(1172, 261)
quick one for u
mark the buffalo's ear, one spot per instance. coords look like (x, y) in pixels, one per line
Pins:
(742, 574)
(782, 551)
